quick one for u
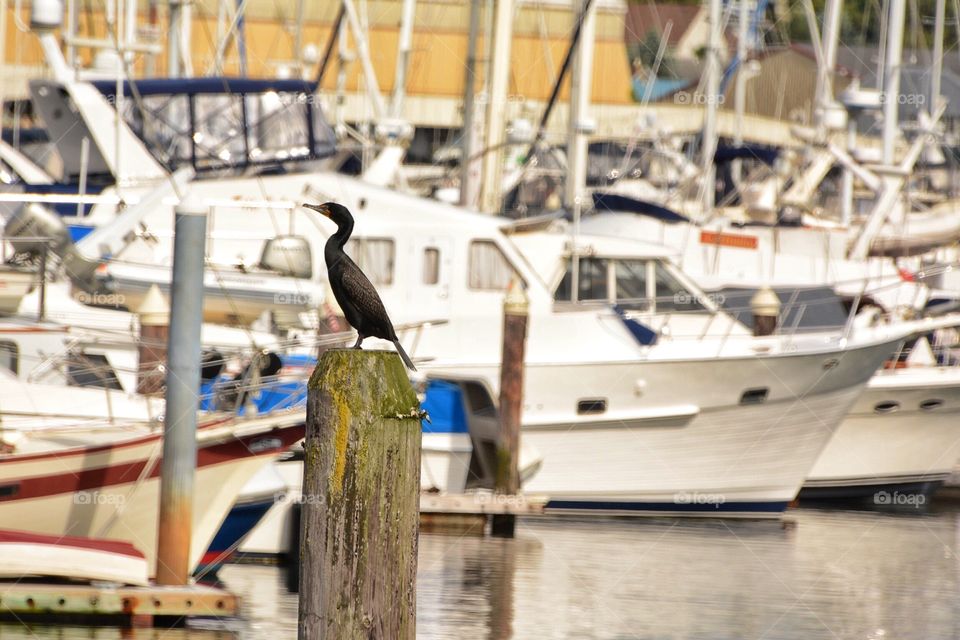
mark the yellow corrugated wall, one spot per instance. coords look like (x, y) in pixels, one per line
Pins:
(439, 45)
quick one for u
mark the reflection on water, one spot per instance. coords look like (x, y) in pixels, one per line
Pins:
(820, 574)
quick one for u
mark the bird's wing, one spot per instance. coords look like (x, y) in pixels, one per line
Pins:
(359, 289)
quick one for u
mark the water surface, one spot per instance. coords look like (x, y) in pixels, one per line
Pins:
(817, 574)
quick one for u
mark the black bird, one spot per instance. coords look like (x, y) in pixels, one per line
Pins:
(355, 294)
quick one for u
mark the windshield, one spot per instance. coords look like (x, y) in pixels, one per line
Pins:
(635, 284)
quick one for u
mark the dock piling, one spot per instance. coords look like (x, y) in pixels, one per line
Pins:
(507, 480)
(361, 488)
(154, 316)
(179, 462)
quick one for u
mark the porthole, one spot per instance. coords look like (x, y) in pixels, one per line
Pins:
(592, 406)
(886, 407)
(930, 405)
(754, 396)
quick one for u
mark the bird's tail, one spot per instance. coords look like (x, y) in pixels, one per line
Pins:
(403, 356)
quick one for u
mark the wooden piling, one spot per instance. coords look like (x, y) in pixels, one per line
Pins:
(507, 479)
(361, 487)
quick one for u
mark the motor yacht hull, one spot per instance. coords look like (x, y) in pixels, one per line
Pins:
(717, 436)
(902, 438)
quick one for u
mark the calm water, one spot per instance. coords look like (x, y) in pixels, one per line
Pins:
(819, 574)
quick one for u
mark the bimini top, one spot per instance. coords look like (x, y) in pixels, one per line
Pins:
(225, 125)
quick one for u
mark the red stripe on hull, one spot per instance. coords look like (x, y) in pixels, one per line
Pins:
(269, 442)
(109, 546)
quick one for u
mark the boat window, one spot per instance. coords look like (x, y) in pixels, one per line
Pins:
(431, 265)
(374, 256)
(167, 131)
(489, 268)
(9, 356)
(219, 130)
(91, 370)
(672, 295)
(278, 128)
(632, 284)
(592, 281)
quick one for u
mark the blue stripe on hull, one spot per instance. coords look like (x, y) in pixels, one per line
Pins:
(654, 508)
(867, 492)
(239, 522)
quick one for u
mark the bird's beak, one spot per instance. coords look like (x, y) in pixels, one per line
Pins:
(319, 208)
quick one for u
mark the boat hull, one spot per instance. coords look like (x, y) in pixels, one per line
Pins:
(113, 491)
(902, 438)
(744, 449)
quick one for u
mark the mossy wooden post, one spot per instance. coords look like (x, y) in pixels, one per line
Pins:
(361, 492)
(507, 480)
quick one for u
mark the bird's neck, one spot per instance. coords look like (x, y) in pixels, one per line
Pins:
(341, 236)
(334, 246)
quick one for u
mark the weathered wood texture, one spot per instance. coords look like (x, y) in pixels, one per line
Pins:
(361, 487)
(507, 480)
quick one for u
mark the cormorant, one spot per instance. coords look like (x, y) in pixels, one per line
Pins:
(358, 298)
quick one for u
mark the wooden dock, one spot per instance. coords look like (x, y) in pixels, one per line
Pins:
(470, 512)
(104, 604)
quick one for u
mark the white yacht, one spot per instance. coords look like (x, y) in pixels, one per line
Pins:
(672, 406)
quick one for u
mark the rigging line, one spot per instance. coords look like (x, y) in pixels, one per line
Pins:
(555, 93)
(331, 43)
(648, 90)
(545, 40)
(226, 40)
(528, 162)
(137, 98)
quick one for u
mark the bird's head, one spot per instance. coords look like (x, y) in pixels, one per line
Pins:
(336, 212)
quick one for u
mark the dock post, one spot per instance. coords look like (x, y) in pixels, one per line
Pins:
(154, 316)
(507, 480)
(183, 387)
(361, 489)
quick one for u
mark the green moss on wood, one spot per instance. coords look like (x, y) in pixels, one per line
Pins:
(361, 483)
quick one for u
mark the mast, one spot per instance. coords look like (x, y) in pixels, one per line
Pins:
(891, 83)
(403, 56)
(469, 168)
(579, 123)
(173, 38)
(829, 39)
(499, 77)
(708, 145)
(740, 88)
(936, 70)
(363, 52)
